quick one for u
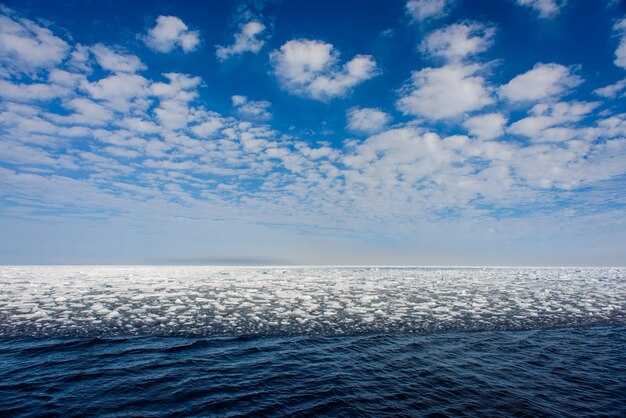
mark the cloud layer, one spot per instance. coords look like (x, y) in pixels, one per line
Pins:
(92, 136)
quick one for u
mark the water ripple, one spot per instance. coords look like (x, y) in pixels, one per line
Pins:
(564, 372)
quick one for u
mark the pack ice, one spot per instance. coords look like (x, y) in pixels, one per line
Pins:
(303, 300)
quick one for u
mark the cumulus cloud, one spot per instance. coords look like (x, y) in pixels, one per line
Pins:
(132, 145)
(251, 109)
(171, 32)
(26, 46)
(367, 120)
(118, 90)
(64, 78)
(544, 8)
(208, 126)
(410, 164)
(173, 111)
(116, 61)
(542, 81)
(620, 52)
(31, 91)
(612, 90)
(80, 59)
(86, 112)
(246, 40)
(421, 10)
(179, 86)
(546, 116)
(449, 91)
(486, 126)
(311, 68)
(456, 42)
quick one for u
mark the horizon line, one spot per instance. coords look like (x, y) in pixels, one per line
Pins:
(317, 265)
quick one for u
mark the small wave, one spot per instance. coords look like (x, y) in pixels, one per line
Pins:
(565, 372)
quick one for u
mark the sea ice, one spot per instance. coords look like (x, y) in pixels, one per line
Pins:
(303, 300)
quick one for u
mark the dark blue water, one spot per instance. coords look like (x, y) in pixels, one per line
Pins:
(562, 372)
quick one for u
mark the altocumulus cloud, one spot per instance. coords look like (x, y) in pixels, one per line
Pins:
(542, 81)
(620, 52)
(311, 68)
(544, 8)
(457, 41)
(445, 92)
(486, 126)
(246, 40)
(251, 109)
(91, 137)
(421, 10)
(26, 46)
(367, 120)
(116, 61)
(169, 33)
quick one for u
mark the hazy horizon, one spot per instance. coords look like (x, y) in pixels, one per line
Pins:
(252, 264)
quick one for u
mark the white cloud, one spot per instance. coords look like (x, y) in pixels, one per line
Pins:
(118, 90)
(440, 93)
(89, 112)
(612, 90)
(172, 114)
(542, 81)
(208, 127)
(80, 59)
(26, 46)
(122, 152)
(546, 116)
(457, 41)
(310, 68)
(145, 147)
(251, 109)
(613, 126)
(180, 86)
(171, 32)
(116, 61)
(86, 112)
(409, 168)
(34, 91)
(15, 153)
(245, 41)
(405, 169)
(367, 120)
(620, 52)
(173, 110)
(545, 8)
(139, 125)
(66, 78)
(421, 10)
(487, 126)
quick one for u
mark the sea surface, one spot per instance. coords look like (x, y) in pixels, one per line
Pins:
(312, 341)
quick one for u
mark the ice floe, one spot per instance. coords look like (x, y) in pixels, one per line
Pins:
(303, 300)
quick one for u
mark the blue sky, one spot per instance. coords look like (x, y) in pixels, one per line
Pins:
(416, 132)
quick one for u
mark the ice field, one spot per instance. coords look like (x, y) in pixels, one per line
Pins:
(79, 300)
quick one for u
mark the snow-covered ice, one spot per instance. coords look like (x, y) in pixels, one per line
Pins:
(80, 300)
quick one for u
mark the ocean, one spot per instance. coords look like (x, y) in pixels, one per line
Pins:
(312, 341)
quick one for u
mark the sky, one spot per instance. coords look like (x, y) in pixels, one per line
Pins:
(404, 132)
